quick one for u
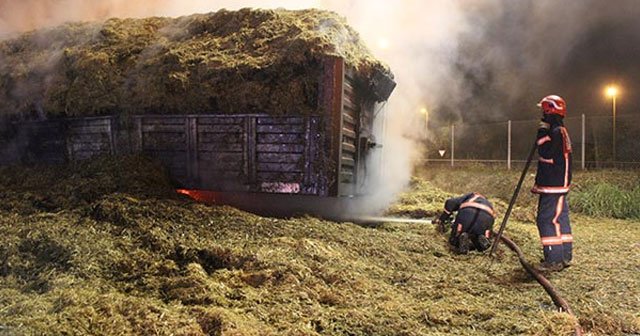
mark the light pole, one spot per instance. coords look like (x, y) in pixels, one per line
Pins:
(612, 91)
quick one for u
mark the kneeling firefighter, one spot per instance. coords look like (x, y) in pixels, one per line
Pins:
(473, 223)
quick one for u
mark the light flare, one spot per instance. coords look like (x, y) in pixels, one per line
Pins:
(611, 91)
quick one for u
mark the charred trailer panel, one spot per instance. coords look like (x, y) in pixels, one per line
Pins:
(349, 103)
(322, 154)
(34, 142)
(58, 141)
(239, 153)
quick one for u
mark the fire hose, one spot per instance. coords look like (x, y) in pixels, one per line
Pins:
(558, 300)
(494, 246)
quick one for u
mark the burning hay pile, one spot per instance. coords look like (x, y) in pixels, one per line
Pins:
(247, 61)
(107, 247)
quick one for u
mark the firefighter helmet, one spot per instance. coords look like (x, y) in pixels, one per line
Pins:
(553, 104)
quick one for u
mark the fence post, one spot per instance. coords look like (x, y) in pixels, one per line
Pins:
(583, 146)
(509, 145)
(453, 132)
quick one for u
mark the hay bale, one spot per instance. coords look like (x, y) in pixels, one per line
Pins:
(245, 61)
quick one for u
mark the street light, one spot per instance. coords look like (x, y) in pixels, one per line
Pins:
(612, 92)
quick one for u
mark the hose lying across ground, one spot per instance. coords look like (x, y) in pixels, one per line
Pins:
(558, 300)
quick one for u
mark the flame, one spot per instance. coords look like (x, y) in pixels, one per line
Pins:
(204, 196)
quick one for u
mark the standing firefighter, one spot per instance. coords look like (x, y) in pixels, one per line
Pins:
(553, 180)
(472, 225)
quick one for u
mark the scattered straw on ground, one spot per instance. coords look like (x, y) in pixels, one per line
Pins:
(85, 249)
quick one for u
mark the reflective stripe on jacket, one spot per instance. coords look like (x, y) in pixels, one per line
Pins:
(554, 162)
(471, 200)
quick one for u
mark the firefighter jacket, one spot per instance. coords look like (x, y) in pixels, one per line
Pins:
(471, 200)
(554, 161)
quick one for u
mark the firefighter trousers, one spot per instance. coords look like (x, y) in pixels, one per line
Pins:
(473, 221)
(554, 227)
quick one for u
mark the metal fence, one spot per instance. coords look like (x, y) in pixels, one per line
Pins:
(598, 142)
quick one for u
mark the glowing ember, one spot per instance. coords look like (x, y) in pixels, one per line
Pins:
(204, 196)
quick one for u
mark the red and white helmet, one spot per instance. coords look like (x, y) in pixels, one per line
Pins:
(553, 104)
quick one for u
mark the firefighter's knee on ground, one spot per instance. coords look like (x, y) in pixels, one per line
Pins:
(462, 244)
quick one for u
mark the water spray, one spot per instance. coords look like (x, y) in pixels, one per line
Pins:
(374, 219)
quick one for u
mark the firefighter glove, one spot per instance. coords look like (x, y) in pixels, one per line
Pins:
(444, 217)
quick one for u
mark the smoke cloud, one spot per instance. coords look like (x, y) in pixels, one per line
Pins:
(459, 60)
(514, 53)
(24, 15)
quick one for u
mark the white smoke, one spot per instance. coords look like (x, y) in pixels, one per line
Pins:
(25, 15)
(416, 38)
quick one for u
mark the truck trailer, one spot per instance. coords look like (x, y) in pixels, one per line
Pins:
(322, 151)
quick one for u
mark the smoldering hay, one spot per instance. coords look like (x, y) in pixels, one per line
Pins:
(244, 61)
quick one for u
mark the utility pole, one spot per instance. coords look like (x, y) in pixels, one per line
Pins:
(509, 145)
(453, 133)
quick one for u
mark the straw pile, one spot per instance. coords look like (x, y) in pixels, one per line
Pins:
(107, 248)
(244, 61)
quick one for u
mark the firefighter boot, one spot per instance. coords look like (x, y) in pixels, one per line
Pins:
(483, 243)
(463, 243)
(546, 266)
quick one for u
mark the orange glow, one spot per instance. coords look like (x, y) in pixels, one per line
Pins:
(204, 196)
